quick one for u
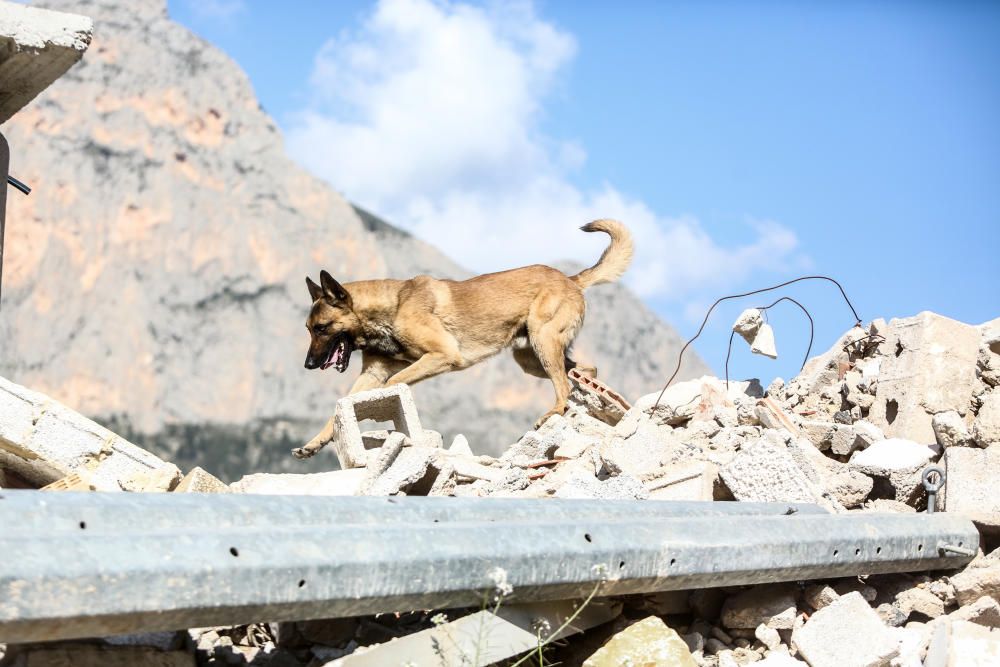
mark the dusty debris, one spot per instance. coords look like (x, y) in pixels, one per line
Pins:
(819, 438)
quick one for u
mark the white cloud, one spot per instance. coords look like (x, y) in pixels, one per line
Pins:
(429, 115)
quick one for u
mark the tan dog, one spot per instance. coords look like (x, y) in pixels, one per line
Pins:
(411, 330)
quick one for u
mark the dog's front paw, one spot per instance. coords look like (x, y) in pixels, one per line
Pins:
(303, 452)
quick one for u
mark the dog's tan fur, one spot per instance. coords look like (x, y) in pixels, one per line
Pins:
(411, 330)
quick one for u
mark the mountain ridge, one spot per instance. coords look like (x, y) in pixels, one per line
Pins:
(154, 279)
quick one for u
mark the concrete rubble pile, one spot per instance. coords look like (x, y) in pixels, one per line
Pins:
(853, 432)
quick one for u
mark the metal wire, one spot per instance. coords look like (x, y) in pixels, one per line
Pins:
(680, 357)
(812, 331)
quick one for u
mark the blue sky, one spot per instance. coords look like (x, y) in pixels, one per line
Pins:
(745, 143)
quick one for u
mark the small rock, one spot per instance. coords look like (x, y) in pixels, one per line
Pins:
(818, 596)
(769, 637)
(771, 605)
(846, 632)
(949, 430)
(921, 601)
(648, 642)
(984, 611)
(986, 427)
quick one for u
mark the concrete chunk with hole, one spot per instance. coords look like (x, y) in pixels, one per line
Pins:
(394, 404)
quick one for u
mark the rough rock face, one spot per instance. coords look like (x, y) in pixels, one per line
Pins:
(154, 278)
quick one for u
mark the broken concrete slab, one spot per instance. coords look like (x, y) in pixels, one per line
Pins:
(491, 636)
(984, 611)
(950, 430)
(764, 471)
(37, 46)
(334, 483)
(921, 601)
(973, 645)
(928, 366)
(894, 454)
(407, 469)
(971, 476)
(848, 487)
(642, 453)
(648, 642)
(42, 441)
(200, 481)
(846, 632)
(393, 404)
(769, 605)
(978, 579)
(621, 487)
(897, 463)
(380, 459)
(986, 426)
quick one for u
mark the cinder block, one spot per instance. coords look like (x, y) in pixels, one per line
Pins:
(394, 404)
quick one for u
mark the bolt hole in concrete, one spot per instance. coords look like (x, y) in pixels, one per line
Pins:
(621, 565)
(234, 551)
(878, 550)
(920, 547)
(836, 552)
(857, 552)
(83, 525)
(587, 537)
(673, 561)
(891, 410)
(302, 582)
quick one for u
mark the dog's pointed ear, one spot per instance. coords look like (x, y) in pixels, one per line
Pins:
(332, 289)
(315, 291)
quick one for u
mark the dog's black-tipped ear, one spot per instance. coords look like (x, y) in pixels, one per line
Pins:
(315, 291)
(333, 289)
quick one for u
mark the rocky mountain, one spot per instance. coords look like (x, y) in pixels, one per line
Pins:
(154, 279)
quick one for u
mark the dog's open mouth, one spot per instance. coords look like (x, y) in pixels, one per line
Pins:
(340, 354)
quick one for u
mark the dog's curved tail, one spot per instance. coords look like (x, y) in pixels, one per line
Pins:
(615, 259)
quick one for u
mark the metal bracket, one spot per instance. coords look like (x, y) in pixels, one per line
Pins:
(932, 487)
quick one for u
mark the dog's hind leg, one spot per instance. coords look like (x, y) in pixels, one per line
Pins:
(552, 326)
(528, 361)
(375, 370)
